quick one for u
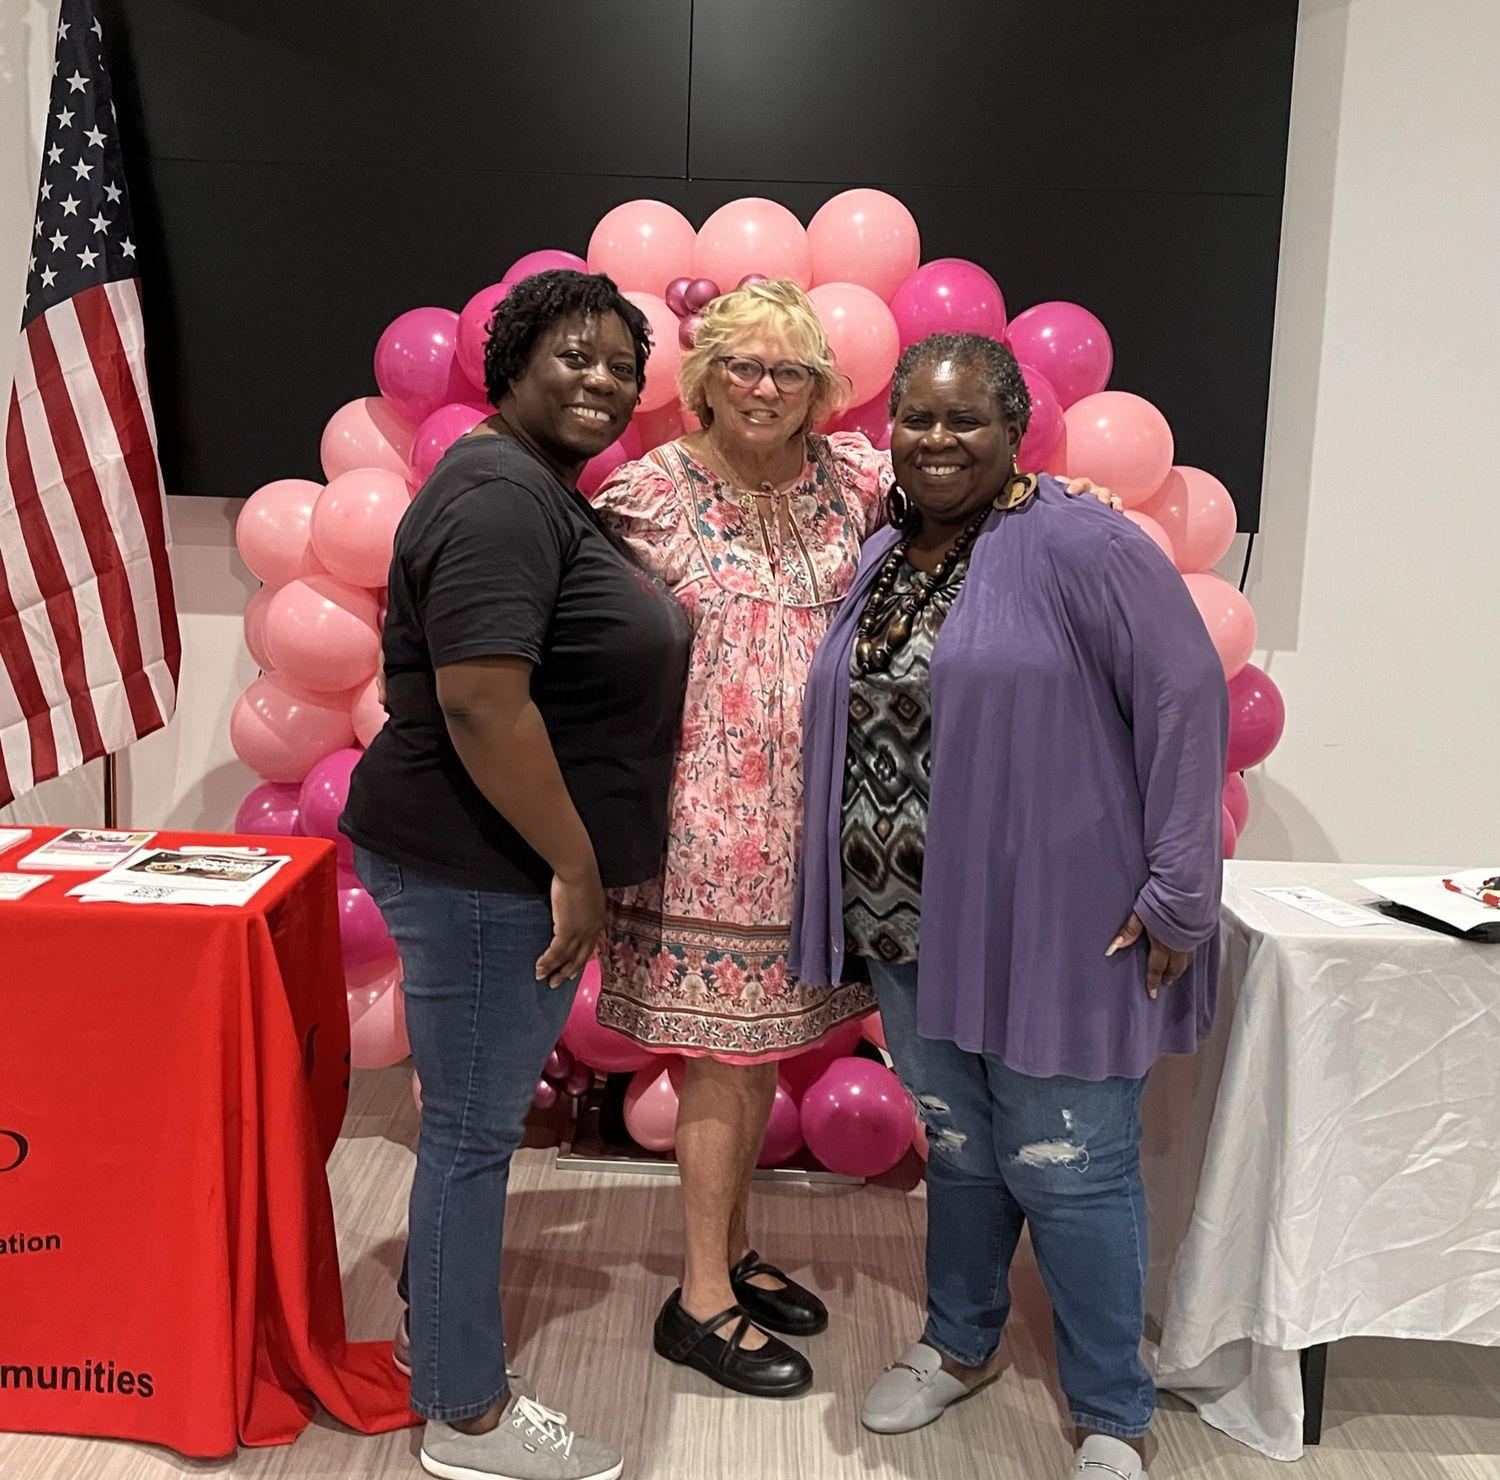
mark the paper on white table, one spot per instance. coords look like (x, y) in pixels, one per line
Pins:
(1323, 906)
(1431, 896)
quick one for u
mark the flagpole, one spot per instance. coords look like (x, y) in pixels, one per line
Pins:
(111, 792)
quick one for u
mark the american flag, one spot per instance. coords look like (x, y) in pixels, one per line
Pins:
(89, 648)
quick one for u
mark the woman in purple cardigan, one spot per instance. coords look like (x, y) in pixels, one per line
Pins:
(1014, 750)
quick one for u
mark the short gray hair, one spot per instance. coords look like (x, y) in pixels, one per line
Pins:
(990, 360)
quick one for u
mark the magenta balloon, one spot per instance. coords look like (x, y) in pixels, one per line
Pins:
(1198, 514)
(440, 431)
(1067, 344)
(280, 730)
(579, 1081)
(752, 277)
(642, 244)
(948, 296)
(1228, 617)
(874, 1030)
(362, 932)
(1257, 717)
(274, 531)
(415, 364)
(801, 1069)
(549, 259)
(651, 1108)
(783, 1138)
(687, 330)
(753, 234)
(590, 1042)
(872, 420)
(366, 433)
(1045, 428)
(269, 810)
(473, 334)
(857, 1118)
(322, 634)
(1237, 800)
(325, 790)
(545, 1096)
(675, 296)
(559, 1064)
(1231, 834)
(699, 294)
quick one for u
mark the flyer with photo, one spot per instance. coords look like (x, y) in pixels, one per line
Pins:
(185, 876)
(86, 848)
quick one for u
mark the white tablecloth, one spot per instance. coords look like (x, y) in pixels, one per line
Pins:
(1328, 1164)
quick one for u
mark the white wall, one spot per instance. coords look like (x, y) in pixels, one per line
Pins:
(1377, 575)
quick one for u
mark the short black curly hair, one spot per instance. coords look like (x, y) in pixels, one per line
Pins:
(539, 301)
(995, 365)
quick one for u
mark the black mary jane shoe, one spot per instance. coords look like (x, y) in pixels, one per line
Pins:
(793, 1310)
(774, 1370)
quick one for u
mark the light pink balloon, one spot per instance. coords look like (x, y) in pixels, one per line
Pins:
(590, 1042)
(783, 1137)
(321, 800)
(801, 1069)
(865, 237)
(377, 1038)
(665, 358)
(368, 714)
(367, 433)
(322, 634)
(625, 448)
(362, 932)
(1119, 440)
(366, 984)
(354, 524)
(872, 420)
(1231, 834)
(949, 295)
(279, 729)
(255, 626)
(439, 432)
(1237, 800)
(1151, 527)
(1067, 344)
(274, 531)
(473, 333)
(753, 235)
(548, 259)
(415, 364)
(1198, 515)
(1228, 617)
(269, 809)
(857, 1118)
(651, 1108)
(643, 245)
(862, 334)
(1044, 430)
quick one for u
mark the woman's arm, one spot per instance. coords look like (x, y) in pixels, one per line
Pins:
(502, 740)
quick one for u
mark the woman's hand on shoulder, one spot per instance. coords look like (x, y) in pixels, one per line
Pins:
(1077, 486)
(1163, 966)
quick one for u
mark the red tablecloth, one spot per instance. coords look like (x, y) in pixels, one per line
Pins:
(172, 1079)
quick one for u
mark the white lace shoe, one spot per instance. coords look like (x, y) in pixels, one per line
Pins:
(1100, 1457)
(529, 1443)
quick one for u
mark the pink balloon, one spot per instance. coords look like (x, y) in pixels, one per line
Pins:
(1067, 344)
(255, 626)
(1152, 528)
(269, 810)
(872, 420)
(699, 294)
(865, 237)
(559, 1064)
(1198, 514)
(354, 525)
(415, 364)
(950, 295)
(279, 729)
(368, 714)
(579, 1081)
(440, 431)
(1044, 430)
(1231, 834)
(1119, 440)
(666, 354)
(589, 1041)
(862, 334)
(626, 448)
(1227, 615)
(366, 984)
(753, 235)
(367, 433)
(1257, 717)
(651, 1108)
(325, 790)
(783, 1138)
(377, 1038)
(274, 531)
(874, 1030)
(659, 426)
(643, 245)
(801, 1069)
(362, 932)
(689, 420)
(548, 259)
(322, 634)
(1237, 800)
(857, 1118)
(473, 333)
(545, 1096)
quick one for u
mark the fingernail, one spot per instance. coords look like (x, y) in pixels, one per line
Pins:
(1114, 946)
(1151, 993)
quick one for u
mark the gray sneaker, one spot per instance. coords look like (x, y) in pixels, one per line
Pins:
(401, 1356)
(529, 1443)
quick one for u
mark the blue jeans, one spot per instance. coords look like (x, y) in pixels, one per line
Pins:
(481, 1027)
(1062, 1155)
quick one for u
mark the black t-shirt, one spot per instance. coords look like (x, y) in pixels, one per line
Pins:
(495, 557)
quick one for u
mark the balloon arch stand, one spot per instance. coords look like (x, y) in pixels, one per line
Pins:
(322, 552)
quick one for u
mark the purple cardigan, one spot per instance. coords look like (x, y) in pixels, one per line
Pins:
(1079, 725)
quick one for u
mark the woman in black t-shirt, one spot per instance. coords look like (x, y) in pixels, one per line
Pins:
(534, 678)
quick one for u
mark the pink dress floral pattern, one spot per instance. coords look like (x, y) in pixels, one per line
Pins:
(695, 960)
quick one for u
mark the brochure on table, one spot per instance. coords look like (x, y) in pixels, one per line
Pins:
(14, 886)
(86, 848)
(208, 876)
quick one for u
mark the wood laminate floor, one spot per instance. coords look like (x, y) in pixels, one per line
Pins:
(590, 1256)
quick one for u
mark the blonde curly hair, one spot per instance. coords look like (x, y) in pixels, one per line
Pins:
(779, 307)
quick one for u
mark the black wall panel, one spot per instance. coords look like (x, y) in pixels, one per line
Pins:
(301, 174)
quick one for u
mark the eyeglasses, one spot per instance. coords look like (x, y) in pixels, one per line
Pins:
(748, 373)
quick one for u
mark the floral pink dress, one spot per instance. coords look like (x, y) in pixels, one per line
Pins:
(696, 959)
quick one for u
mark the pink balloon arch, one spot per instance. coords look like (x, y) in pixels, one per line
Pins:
(322, 550)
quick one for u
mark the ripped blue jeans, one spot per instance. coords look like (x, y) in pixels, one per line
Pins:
(1061, 1155)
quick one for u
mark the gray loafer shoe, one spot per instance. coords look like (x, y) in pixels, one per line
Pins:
(912, 1392)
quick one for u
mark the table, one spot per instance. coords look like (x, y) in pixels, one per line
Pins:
(172, 1079)
(1345, 1116)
